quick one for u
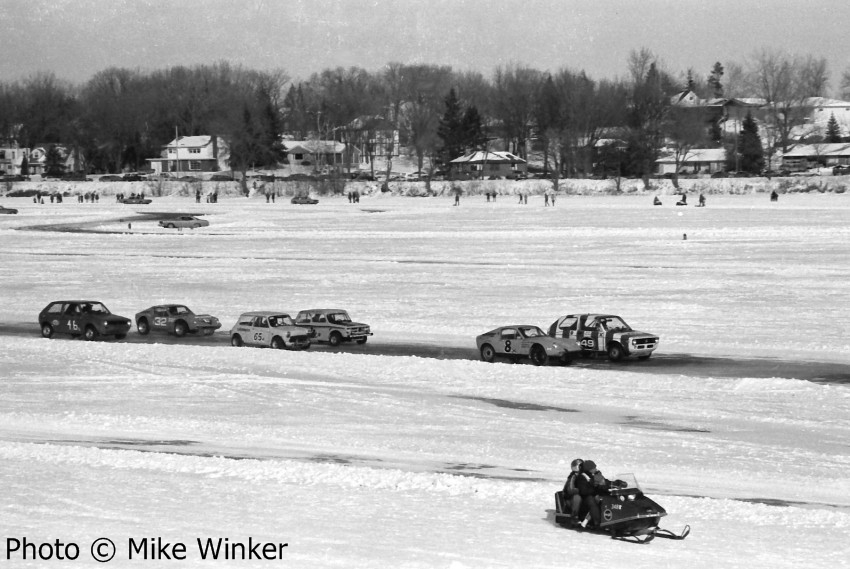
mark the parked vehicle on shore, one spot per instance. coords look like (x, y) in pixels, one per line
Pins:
(184, 222)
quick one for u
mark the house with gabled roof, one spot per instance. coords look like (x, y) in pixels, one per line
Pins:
(695, 161)
(488, 163)
(192, 155)
(803, 156)
(321, 153)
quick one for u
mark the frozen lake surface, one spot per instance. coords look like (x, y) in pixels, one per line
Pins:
(398, 453)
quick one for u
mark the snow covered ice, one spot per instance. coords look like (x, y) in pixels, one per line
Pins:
(367, 457)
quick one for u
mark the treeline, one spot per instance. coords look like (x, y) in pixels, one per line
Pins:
(120, 117)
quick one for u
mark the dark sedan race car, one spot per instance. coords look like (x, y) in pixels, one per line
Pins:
(600, 334)
(175, 319)
(87, 318)
(525, 341)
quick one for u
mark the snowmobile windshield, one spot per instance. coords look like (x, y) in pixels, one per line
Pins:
(629, 479)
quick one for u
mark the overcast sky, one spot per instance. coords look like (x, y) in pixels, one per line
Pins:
(76, 38)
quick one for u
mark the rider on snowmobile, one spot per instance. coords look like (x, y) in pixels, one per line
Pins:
(591, 484)
(571, 493)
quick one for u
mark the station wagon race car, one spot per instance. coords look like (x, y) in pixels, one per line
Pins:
(86, 318)
(175, 319)
(268, 328)
(182, 221)
(604, 334)
(304, 200)
(333, 326)
(525, 341)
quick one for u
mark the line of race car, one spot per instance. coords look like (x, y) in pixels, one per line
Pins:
(569, 337)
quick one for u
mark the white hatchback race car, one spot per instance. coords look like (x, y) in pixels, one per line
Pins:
(269, 329)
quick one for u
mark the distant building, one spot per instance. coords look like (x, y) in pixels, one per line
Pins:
(191, 155)
(71, 159)
(804, 156)
(11, 158)
(488, 163)
(321, 154)
(695, 161)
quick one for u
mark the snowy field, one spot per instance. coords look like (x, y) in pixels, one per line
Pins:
(363, 459)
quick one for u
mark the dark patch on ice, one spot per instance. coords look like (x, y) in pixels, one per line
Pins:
(143, 442)
(517, 404)
(483, 476)
(635, 421)
(330, 459)
(373, 210)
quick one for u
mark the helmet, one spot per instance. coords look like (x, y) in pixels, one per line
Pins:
(576, 465)
(588, 466)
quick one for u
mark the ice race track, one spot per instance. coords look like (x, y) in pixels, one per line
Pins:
(408, 451)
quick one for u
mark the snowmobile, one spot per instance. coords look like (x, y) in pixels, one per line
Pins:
(626, 514)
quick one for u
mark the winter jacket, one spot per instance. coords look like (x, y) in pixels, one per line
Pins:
(570, 488)
(587, 486)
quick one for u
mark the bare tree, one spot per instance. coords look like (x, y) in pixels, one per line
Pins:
(514, 104)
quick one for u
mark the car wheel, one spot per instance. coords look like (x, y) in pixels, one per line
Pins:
(170, 226)
(278, 343)
(361, 340)
(236, 341)
(488, 354)
(90, 334)
(46, 330)
(646, 357)
(616, 352)
(335, 339)
(180, 329)
(538, 355)
(143, 327)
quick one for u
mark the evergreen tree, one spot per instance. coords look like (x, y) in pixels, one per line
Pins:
(53, 164)
(833, 131)
(749, 146)
(450, 129)
(471, 129)
(714, 80)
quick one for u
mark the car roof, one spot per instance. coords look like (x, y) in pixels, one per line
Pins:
(169, 305)
(266, 313)
(76, 301)
(324, 310)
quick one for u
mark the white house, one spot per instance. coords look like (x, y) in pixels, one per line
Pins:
(191, 155)
(320, 153)
(489, 163)
(71, 160)
(11, 158)
(695, 161)
(804, 156)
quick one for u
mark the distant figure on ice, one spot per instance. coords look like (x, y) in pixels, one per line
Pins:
(545, 200)
(774, 197)
(701, 201)
(683, 200)
(656, 201)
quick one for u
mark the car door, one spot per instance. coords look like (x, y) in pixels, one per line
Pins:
(319, 323)
(160, 319)
(586, 335)
(260, 334)
(55, 315)
(72, 319)
(509, 341)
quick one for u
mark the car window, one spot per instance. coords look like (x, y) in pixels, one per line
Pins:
(245, 321)
(160, 312)
(56, 308)
(72, 308)
(531, 332)
(339, 318)
(181, 310)
(509, 334)
(319, 318)
(281, 320)
(303, 317)
(569, 323)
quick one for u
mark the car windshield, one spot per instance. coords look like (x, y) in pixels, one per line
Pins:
(614, 323)
(95, 308)
(280, 320)
(180, 310)
(339, 318)
(531, 331)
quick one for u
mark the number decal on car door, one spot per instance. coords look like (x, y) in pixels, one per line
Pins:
(508, 346)
(258, 336)
(160, 320)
